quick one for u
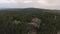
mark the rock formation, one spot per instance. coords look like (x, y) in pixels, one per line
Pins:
(33, 26)
(58, 32)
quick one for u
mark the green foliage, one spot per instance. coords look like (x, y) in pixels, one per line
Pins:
(49, 24)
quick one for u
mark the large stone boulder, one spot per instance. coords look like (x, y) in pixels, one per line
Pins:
(33, 26)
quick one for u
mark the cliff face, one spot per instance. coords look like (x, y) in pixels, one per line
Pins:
(33, 26)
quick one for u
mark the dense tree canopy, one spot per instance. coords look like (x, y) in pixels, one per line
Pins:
(50, 21)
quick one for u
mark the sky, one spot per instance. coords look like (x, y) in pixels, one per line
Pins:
(46, 4)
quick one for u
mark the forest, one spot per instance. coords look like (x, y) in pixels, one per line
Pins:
(13, 21)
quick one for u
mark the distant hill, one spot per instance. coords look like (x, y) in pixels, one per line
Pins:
(29, 10)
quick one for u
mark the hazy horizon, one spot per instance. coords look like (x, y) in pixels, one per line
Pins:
(45, 4)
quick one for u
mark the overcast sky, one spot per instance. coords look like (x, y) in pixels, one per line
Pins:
(49, 4)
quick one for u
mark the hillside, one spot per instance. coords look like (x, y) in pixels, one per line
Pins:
(10, 17)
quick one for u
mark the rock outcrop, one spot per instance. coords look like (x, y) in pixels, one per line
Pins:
(58, 32)
(33, 26)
